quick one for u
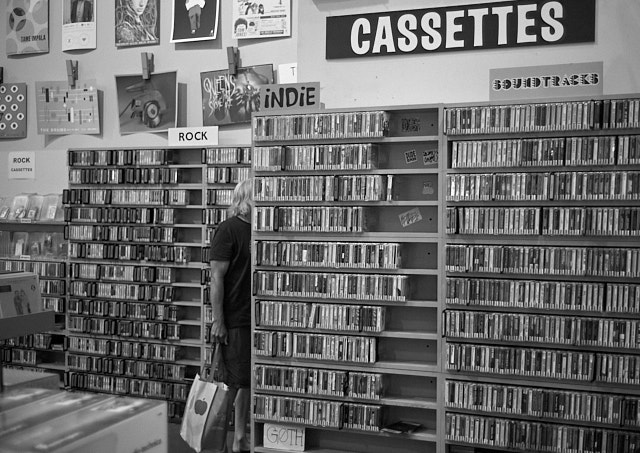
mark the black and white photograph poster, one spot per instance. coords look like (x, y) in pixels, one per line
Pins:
(147, 105)
(195, 20)
(78, 24)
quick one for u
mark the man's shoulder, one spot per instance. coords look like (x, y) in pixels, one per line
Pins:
(229, 221)
(233, 221)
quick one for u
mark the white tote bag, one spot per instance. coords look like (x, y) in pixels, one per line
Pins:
(204, 415)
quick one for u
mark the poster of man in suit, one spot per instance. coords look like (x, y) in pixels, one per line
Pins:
(81, 11)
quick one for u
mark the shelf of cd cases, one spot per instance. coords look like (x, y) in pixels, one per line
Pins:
(135, 233)
(346, 247)
(542, 263)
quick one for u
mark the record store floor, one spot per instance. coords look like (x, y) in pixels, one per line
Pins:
(177, 445)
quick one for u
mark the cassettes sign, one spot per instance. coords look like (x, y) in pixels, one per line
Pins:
(462, 27)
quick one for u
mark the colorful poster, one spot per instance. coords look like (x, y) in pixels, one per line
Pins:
(13, 110)
(63, 110)
(261, 19)
(137, 22)
(195, 20)
(147, 105)
(27, 26)
(78, 24)
(228, 99)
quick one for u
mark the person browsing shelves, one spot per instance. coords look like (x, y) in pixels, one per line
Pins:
(231, 305)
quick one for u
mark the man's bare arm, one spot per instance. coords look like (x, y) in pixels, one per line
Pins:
(218, 327)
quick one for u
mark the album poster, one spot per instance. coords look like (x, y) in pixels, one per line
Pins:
(62, 110)
(229, 99)
(261, 19)
(78, 24)
(195, 20)
(13, 110)
(27, 26)
(137, 23)
(147, 105)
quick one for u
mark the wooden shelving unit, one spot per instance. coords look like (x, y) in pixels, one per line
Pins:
(347, 244)
(542, 276)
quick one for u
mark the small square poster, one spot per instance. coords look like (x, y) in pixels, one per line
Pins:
(147, 105)
(65, 110)
(195, 20)
(230, 99)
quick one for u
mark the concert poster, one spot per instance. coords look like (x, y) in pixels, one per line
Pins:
(261, 19)
(137, 23)
(27, 27)
(228, 98)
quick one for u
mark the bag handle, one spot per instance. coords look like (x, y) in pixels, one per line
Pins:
(217, 371)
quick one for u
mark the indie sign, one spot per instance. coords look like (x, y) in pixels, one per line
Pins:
(463, 27)
(290, 98)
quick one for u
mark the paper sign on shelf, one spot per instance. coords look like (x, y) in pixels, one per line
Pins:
(552, 81)
(284, 437)
(22, 165)
(288, 73)
(193, 136)
(291, 98)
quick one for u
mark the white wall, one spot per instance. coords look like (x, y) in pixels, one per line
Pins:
(103, 64)
(415, 79)
(456, 76)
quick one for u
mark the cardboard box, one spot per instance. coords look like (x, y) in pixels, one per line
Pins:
(44, 407)
(19, 294)
(12, 398)
(21, 308)
(19, 379)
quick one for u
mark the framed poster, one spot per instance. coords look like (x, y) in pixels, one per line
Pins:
(229, 99)
(78, 24)
(137, 22)
(261, 19)
(195, 20)
(147, 105)
(27, 26)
